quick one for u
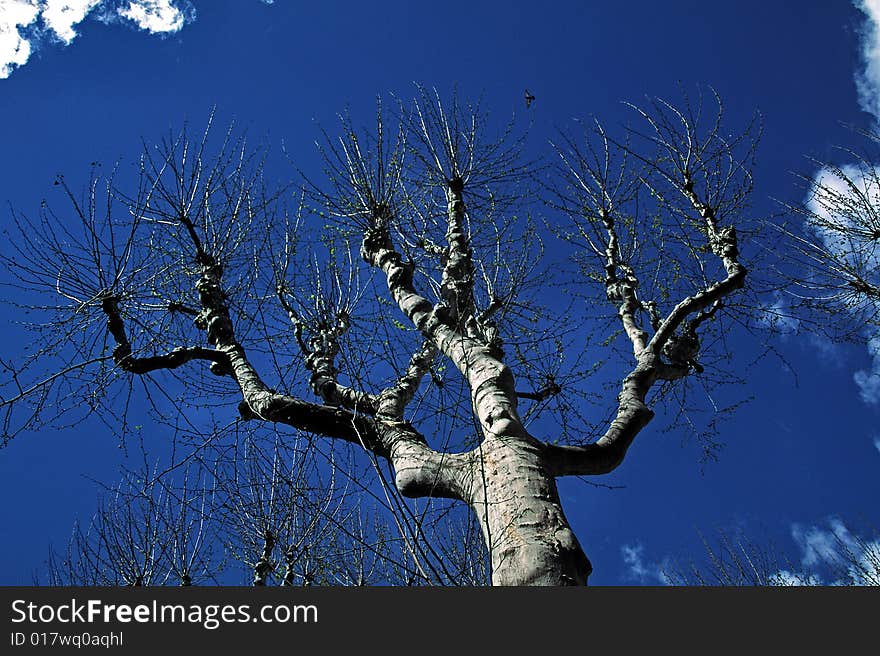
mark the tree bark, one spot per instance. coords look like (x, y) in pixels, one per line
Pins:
(516, 501)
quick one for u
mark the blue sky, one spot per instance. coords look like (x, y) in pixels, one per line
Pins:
(85, 80)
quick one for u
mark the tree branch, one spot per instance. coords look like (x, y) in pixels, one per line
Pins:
(622, 290)
(490, 380)
(606, 454)
(457, 280)
(122, 354)
(324, 347)
(550, 389)
(723, 243)
(378, 251)
(419, 469)
(393, 400)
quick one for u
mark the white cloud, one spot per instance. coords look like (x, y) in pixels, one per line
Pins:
(777, 316)
(14, 48)
(833, 202)
(834, 188)
(154, 16)
(785, 578)
(877, 443)
(868, 79)
(841, 212)
(827, 349)
(637, 569)
(868, 380)
(26, 25)
(818, 545)
(61, 16)
(829, 555)
(846, 558)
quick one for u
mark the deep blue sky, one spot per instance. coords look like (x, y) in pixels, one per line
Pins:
(798, 455)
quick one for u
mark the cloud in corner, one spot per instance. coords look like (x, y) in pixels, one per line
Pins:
(28, 25)
(15, 49)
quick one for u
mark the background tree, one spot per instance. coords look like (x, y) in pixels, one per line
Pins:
(735, 560)
(832, 262)
(144, 533)
(834, 252)
(829, 260)
(250, 511)
(409, 310)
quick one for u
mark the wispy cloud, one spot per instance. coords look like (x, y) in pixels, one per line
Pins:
(868, 380)
(777, 316)
(834, 185)
(28, 25)
(825, 554)
(790, 579)
(834, 556)
(824, 200)
(868, 78)
(819, 545)
(637, 569)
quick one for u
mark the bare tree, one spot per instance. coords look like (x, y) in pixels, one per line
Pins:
(145, 533)
(290, 521)
(834, 248)
(258, 511)
(402, 292)
(736, 560)
(829, 261)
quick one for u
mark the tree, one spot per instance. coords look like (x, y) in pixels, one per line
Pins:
(829, 259)
(254, 509)
(839, 558)
(831, 266)
(403, 292)
(835, 251)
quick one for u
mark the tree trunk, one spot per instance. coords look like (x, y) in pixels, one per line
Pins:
(517, 503)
